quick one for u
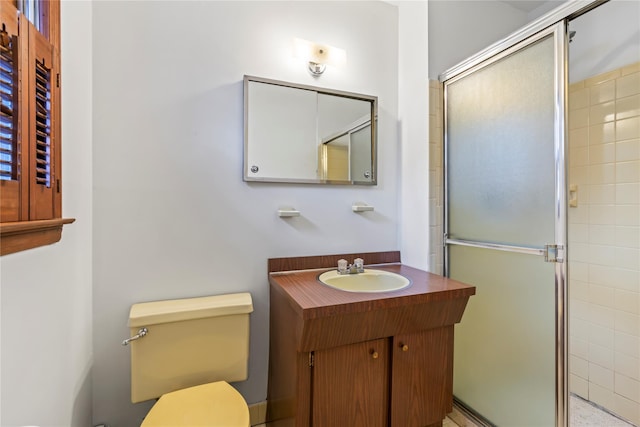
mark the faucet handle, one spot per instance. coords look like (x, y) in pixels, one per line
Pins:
(358, 264)
(342, 266)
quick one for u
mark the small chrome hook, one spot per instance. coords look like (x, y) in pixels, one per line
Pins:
(141, 333)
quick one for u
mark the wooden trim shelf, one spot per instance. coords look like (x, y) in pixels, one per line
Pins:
(22, 235)
(329, 261)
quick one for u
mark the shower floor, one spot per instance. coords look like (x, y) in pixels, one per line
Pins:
(586, 414)
(581, 412)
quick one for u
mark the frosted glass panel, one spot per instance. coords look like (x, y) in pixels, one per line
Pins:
(500, 136)
(504, 360)
(501, 169)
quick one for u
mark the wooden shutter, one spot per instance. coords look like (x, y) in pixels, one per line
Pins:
(12, 185)
(29, 130)
(42, 93)
(30, 155)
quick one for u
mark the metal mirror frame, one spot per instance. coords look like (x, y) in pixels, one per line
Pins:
(373, 100)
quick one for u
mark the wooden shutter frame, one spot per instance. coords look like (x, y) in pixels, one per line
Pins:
(25, 233)
(15, 193)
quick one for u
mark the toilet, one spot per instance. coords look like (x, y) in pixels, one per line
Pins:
(185, 352)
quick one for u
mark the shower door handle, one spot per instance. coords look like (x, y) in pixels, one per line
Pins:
(553, 253)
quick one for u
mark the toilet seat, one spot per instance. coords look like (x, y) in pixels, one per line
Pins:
(213, 404)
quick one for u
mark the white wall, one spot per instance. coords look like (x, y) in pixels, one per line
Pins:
(46, 292)
(460, 29)
(606, 38)
(172, 216)
(413, 118)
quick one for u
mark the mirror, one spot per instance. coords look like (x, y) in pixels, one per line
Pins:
(305, 134)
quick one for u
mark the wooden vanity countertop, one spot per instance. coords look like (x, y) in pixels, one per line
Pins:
(311, 299)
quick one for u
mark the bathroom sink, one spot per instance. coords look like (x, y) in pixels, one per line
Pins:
(369, 281)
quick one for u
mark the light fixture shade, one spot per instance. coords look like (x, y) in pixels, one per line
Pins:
(319, 53)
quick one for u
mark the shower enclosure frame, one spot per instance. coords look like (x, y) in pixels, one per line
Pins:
(555, 21)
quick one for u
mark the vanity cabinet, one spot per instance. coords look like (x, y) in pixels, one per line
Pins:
(422, 377)
(351, 385)
(362, 359)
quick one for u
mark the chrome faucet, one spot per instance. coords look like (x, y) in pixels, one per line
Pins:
(355, 268)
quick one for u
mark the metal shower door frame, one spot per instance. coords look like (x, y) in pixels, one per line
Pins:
(556, 23)
(557, 31)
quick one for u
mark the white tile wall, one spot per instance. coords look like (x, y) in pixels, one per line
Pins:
(627, 150)
(436, 200)
(604, 241)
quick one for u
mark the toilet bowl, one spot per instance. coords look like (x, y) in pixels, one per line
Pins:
(212, 404)
(185, 352)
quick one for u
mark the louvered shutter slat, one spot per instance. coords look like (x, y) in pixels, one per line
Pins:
(42, 129)
(8, 119)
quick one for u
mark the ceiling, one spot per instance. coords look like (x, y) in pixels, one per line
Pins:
(525, 5)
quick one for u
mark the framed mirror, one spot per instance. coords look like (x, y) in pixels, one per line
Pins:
(306, 134)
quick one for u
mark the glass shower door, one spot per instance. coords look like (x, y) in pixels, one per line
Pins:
(504, 186)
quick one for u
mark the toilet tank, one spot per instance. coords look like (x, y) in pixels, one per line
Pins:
(189, 342)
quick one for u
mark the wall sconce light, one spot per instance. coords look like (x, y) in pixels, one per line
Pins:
(318, 55)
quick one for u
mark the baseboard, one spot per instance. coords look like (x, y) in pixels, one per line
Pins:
(258, 413)
(466, 417)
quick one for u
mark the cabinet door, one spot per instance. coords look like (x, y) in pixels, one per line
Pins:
(422, 377)
(350, 385)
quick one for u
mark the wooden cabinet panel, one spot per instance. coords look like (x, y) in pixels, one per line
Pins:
(350, 385)
(422, 377)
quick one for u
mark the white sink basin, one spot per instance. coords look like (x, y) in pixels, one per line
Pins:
(369, 281)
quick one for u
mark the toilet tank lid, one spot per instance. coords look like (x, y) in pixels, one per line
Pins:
(153, 313)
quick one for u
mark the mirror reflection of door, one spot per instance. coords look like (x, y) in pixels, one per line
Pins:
(346, 156)
(340, 121)
(361, 154)
(335, 155)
